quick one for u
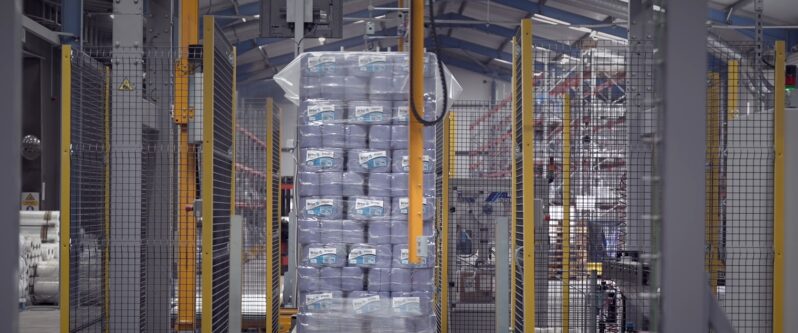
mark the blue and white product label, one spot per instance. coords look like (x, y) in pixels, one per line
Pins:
(404, 257)
(319, 302)
(321, 64)
(366, 304)
(372, 63)
(321, 112)
(324, 159)
(320, 207)
(401, 113)
(322, 255)
(361, 256)
(369, 114)
(373, 159)
(427, 163)
(410, 305)
(369, 207)
(404, 205)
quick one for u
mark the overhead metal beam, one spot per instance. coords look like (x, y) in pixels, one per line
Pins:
(40, 30)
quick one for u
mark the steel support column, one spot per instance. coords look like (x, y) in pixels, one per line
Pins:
(129, 113)
(72, 21)
(416, 130)
(11, 95)
(680, 162)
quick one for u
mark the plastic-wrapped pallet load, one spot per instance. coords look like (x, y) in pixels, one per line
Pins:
(351, 185)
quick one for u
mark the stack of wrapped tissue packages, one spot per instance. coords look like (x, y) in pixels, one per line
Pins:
(352, 184)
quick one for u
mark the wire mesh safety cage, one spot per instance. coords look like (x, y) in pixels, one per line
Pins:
(258, 202)
(740, 182)
(134, 177)
(479, 170)
(581, 117)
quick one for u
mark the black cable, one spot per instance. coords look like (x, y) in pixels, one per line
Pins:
(441, 74)
(771, 66)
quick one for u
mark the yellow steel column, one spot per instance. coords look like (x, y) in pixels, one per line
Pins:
(66, 168)
(186, 225)
(513, 193)
(778, 195)
(712, 180)
(444, 246)
(528, 187)
(566, 211)
(107, 188)
(269, 213)
(206, 182)
(415, 154)
(733, 90)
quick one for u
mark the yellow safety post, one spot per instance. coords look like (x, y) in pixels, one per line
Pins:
(712, 181)
(270, 214)
(415, 154)
(733, 89)
(448, 132)
(528, 172)
(107, 187)
(514, 175)
(66, 168)
(566, 211)
(186, 225)
(206, 182)
(778, 195)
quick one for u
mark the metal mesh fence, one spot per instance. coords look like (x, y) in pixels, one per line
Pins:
(220, 157)
(123, 191)
(132, 188)
(257, 162)
(589, 117)
(479, 190)
(88, 191)
(740, 183)
(583, 155)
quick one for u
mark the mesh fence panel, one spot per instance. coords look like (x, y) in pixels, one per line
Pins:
(479, 192)
(590, 125)
(221, 153)
(740, 184)
(135, 246)
(123, 191)
(254, 155)
(88, 193)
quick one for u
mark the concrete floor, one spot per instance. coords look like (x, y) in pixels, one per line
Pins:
(39, 320)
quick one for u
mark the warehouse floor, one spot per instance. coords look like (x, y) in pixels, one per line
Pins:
(39, 320)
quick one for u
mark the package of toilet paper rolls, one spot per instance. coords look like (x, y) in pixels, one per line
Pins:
(351, 191)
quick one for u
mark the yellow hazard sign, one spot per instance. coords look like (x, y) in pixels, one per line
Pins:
(126, 85)
(30, 201)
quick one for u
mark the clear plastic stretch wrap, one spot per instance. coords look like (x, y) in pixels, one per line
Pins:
(352, 206)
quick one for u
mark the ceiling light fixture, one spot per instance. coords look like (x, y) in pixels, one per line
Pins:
(549, 20)
(582, 29)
